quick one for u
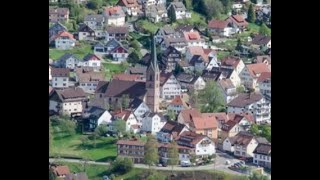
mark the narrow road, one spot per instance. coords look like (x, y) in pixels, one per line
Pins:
(168, 168)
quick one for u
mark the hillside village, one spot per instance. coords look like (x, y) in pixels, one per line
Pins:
(125, 72)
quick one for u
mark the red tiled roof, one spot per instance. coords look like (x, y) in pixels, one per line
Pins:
(191, 36)
(130, 142)
(256, 69)
(188, 113)
(113, 10)
(230, 61)
(61, 170)
(217, 24)
(264, 76)
(177, 101)
(127, 77)
(65, 34)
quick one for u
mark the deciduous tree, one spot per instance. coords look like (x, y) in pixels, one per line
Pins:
(151, 156)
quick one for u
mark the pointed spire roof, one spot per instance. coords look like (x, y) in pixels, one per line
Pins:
(154, 61)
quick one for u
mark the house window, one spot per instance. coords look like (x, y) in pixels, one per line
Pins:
(255, 156)
(75, 109)
(55, 84)
(243, 153)
(64, 84)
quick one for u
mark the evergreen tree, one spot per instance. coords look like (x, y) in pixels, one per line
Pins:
(264, 30)
(251, 14)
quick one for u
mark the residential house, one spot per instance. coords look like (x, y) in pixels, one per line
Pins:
(177, 105)
(68, 60)
(169, 86)
(67, 101)
(228, 73)
(129, 118)
(113, 48)
(156, 13)
(253, 103)
(93, 117)
(170, 131)
(139, 109)
(263, 59)
(201, 123)
(201, 58)
(119, 33)
(114, 16)
(191, 82)
(170, 57)
(228, 90)
(64, 40)
(60, 171)
(91, 61)
(250, 74)
(128, 77)
(179, 10)
(85, 33)
(58, 14)
(88, 79)
(153, 122)
(182, 28)
(221, 28)
(175, 40)
(138, 70)
(60, 77)
(77, 176)
(233, 63)
(55, 30)
(194, 39)
(262, 155)
(162, 32)
(132, 149)
(94, 21)
(237, 22)
(264, 84)
(261, 42)
(131, 7)
(50, 74)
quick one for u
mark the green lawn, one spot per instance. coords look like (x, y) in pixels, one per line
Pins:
(94, 172)
(70, 146)
(80, 51)
(222, 54)
(111, 69)
(149, 26)
(196, 19)
(254, 28)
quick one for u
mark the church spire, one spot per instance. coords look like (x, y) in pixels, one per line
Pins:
(154, 61)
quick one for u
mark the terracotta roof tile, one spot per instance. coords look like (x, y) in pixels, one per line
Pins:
(256, 69)
(217, 24)
(130, 142)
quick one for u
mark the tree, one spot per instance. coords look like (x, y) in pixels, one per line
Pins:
(264, 30)
(171, 114)
(173, 154)
(227, 5)
(213, 8)
(84, 140)
(240, 89)
(67, 126)
(156, 176)
(133, 57)
(251, 14)
(178, 69)
(102, 129)
(266, 132)
(94, 4)
(239, 45)
(107, 105)
(172, 14)
(211, 98)
(256, 176)
(125, 101)
(254, 129)
(119, 126)
(121, 165)
(151, 156)
(135, 45)
(52, 175)
(188, 4)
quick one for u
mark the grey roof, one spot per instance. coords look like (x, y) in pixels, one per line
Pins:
(95, 111)
(137, 70)
(66, 56)
(245, 99)
(186, 78)
(184, 28)
(172, 39)
(261, 40)
(135, 103)
(226, 72)
(170, 50)
(113, 42)
(84, 28)
(70, 93)
(211, 75)
(117, 29)
(97, 18)
(56, 28)
(262, 140)
(102, 87)
(195, 59)
(77, 176)
(99, 44)
(178, 6)
(152, 114)
(89, 56)
(167, 30)
(264, 149)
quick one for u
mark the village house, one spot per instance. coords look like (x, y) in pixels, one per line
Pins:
(132, 149)
(250, 74)
(139, 109)
(182, 28)
(262, 155)
(69, 101)
(261, 42)
(113, 48)
(64, 40)
(201, 123)
(68, 60)
(194, 39)
(162, 32)
(169, 86)
(191, 82)
(91, 61)
(179, 10)
(85, 33)
(237, 22)
(264, 84)
(128, 77)
(253, 103)
(200, 58)
(94, 21)
(263, 59)
(93, 117)
(177, 105)
(156, 13)
(58, 14)
(218, 73)
(129, 118)
(131, 7)
(54, 30)
(60, 77)
(137, 70)
(153, 122)
(170, 57)
(234, 63)
(120, 33)
(88, 79)
(228, 90)
(175, 40)
(114, 16)
(170, 131)
(221, 28)
(60, 171)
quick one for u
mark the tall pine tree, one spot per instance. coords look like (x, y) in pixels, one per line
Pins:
(251, 14)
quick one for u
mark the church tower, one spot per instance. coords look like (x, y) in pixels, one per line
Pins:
(153, 80)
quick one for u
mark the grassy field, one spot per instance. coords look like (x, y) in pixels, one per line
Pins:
(104, 151)
(144, 40)
(254, 28)
(222, 54)
(111, 69)
(149, 26)
(80, 51)
(196, 19)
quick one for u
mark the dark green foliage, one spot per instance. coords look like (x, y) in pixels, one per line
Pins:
(251, 14)
(121, 166)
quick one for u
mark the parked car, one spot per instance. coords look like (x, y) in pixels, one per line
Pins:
(185, 163)
(164, 164)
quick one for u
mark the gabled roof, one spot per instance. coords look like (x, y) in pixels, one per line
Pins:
(178, 6)
(114, 11)
(64, 34)
(211, 75)
(152, 114)
(230, 61)
(172, 127)
(255, 70)
(59, 11)
(192, 36)
(94, 17)
(61, 170)
(243, 138)
(130, 142)
(127, 77)
(184, 28)
(189, 137)
(89, 57)
(264, 76)
(128, 3)
(262, 59)
(226, 84)
(60, 72)
(70, 93)
(117, 88)
(117, 29)
(225, 72)
(90, 76)
(245, 99)
(264, 149)
(164, 77)
(186, 78)
(170, 50)
(124, 114)
(141, 70)
(102, 87)
(188, 114)
(135, 103)
(66, 56)
(207, 121)
(218, 24)
(85, 28)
